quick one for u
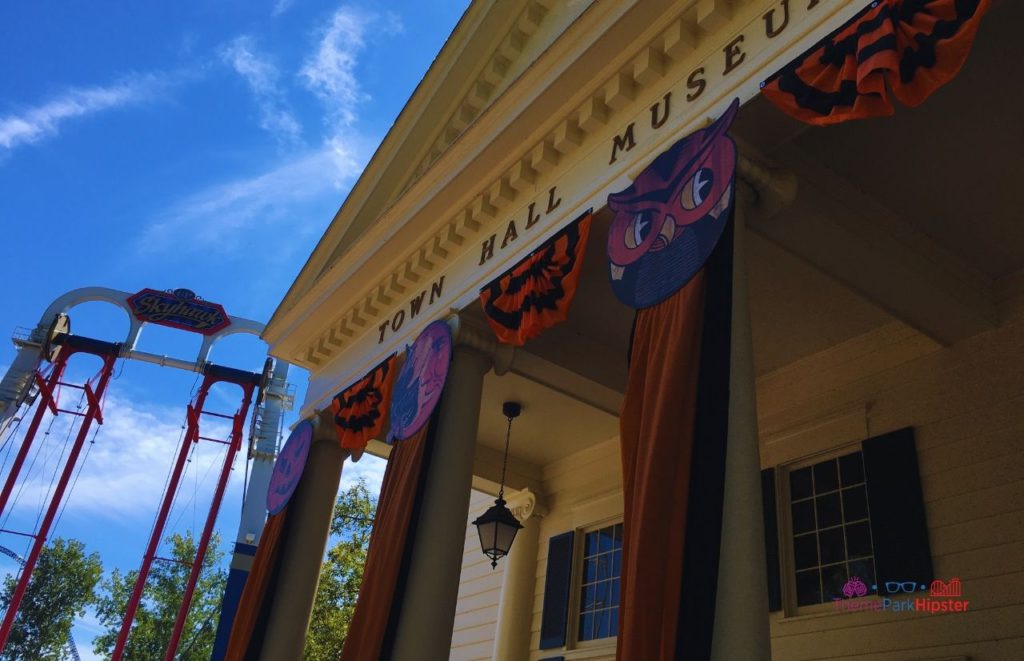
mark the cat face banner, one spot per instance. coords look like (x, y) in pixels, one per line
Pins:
(419, 384)
(289, 466)
(669, 220)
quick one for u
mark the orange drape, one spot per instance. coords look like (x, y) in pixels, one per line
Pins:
(537, 293)
(387, 556)
(251, 605)
(657, 440)
(908, 47)
(361, 409)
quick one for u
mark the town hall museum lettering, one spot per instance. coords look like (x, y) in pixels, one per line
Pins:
(774, 22)
(512, 231)
(415, 306)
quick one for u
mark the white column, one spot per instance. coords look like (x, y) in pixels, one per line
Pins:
(515, 610)
(310, 511)
(741, 607)
(427, 616)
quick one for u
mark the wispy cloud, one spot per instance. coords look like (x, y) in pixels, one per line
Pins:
(281, 6)
(329, 72)
(123, 476)
(225, 214)
(44, 121)
(262, 77)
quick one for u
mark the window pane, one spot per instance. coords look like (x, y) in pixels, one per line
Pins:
(600, 585)
(829, 513)
(587, 626)
(826, 476)
(833, 577)
(604, 566)
(803, 516)
(808, 588)
(864, 570)
(587, 600)
(805, 551)
(601, 624)
(858, 540)
(800, 485)
(855, 503)
(830, 543)
(851, 468)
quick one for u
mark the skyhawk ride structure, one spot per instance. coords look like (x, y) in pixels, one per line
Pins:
(37, 379)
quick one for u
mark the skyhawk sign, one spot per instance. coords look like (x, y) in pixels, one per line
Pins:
(180, 309)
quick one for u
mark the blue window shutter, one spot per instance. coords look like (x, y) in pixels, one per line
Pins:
(771, 539)
(557, 582)
(899, 531)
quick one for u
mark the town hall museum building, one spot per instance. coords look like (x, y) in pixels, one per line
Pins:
(753, 271)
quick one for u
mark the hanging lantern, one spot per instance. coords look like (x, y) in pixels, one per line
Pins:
(497, 526)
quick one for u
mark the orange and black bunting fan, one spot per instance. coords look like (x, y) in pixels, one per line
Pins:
(359, 410)
(537, 292)
(909, 48)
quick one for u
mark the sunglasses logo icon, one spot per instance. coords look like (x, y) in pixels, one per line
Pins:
(904, 586)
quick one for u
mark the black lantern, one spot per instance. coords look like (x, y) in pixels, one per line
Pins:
(498, 526)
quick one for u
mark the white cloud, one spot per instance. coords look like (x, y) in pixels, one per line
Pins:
(281, 6)
(225, 214)
(123, 476)
(369, 468)
(44, 121)
(262, 77)
(329, 72)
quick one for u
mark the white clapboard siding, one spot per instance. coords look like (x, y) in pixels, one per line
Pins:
(966, 403)
(479, 591)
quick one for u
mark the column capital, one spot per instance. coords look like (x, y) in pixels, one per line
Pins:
(771, 188)
(465, 333)
(523, 504)
(324, 431)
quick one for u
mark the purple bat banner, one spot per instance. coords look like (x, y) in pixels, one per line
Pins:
(668, 221)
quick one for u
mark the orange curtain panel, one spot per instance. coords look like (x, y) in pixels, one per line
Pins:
(673, 427)
(537, 293)
(656, 429)
(253, 606)
(909, 48)
(369, 634)
(361, 409)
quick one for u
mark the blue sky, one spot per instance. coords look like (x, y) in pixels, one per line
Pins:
(204, 145)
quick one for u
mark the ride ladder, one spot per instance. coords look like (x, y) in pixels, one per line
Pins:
(49, 393)
(212, 374)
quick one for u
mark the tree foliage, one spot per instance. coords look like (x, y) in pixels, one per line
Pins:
(165, 587)
(341, 574)
(63, 584)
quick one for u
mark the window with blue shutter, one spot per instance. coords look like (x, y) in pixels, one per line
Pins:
(557, 586)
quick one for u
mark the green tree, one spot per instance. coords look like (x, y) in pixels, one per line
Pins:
(63, 584)
(341, 574)
(154, 619)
